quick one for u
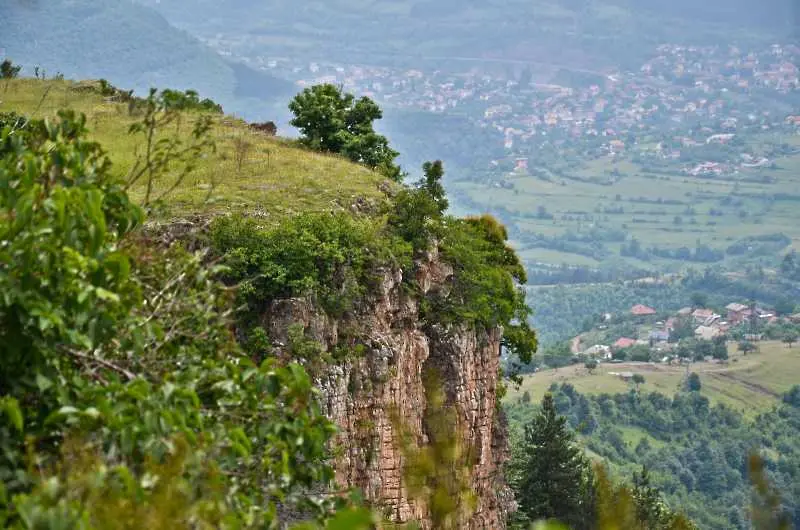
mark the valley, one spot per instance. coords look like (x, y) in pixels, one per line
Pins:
(751, 384)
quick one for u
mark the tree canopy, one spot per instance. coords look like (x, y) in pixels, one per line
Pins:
(550, 475)
(336, 122)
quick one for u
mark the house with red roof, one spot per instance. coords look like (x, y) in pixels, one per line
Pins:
(623, 343)
(640, 310)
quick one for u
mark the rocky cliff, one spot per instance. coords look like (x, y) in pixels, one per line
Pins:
(376, 394)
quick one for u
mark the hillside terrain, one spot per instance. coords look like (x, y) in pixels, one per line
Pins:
(688, 424)
(692, 441)
(616, 140)
(262, 266)
(132, 46)
(750, 384)
(274, 178)
(316, 251)
(459, 34)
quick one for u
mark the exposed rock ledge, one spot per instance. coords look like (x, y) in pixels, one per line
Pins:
(362, 394)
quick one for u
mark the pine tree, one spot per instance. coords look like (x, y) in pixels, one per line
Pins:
(553, 474)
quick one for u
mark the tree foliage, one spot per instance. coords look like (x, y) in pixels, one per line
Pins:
(550, 474)
(336, 122)
(9, 70)
(696, 454)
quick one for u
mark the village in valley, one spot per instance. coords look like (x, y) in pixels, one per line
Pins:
(691, 334)
(691, 95)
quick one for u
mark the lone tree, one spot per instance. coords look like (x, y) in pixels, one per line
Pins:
(699, 300)
(552, 479)
(591, 366)
(638, 380)
(335, 122)
(8, 70)
(693, 383)
(790, 337)
(746, 347)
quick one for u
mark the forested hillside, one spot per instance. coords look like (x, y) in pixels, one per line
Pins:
(695, 452)
(130, 45)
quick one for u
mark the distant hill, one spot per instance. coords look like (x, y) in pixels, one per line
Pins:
(132, 46)
(572, 33)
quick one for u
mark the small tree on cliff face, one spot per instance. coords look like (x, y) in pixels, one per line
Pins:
(417, 212)
(334, 122)
(550, 475)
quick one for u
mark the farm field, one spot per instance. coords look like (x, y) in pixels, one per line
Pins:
(750, 384)
(668, 211)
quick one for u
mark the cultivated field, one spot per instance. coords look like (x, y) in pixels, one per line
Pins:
(692, 210)
(749, 383)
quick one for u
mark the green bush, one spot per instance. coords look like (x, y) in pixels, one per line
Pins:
(330, 257)
(486, 284)
(126, 402)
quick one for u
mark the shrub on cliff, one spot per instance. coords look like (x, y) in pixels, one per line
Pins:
(330, 257)
(487, 284)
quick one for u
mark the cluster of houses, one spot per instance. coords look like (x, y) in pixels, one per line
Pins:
(707, 325)
(679, 88)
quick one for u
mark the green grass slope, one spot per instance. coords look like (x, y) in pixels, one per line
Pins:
(276, 178)
(132, 46)
(751, 384)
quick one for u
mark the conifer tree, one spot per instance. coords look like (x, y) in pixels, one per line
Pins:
(553, 474)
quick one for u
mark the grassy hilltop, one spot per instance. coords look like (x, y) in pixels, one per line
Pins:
(275, 177)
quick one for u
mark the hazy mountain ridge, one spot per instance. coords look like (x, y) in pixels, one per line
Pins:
(577, 33)
(130, 45)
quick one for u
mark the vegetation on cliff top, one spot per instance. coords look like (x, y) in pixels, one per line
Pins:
(128, 398)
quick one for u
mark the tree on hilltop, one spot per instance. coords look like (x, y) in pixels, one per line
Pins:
(335, 122)
(8, 70)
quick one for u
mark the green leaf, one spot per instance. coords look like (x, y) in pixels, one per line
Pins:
(92, 413)
(43, 383)
(14, 413)
(106, 295)
(351, 519)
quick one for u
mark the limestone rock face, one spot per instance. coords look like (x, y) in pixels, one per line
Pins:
(371, 393)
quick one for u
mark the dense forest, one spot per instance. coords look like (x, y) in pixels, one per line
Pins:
(695, 453)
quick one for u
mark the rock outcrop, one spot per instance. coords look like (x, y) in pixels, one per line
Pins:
(379, 387)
